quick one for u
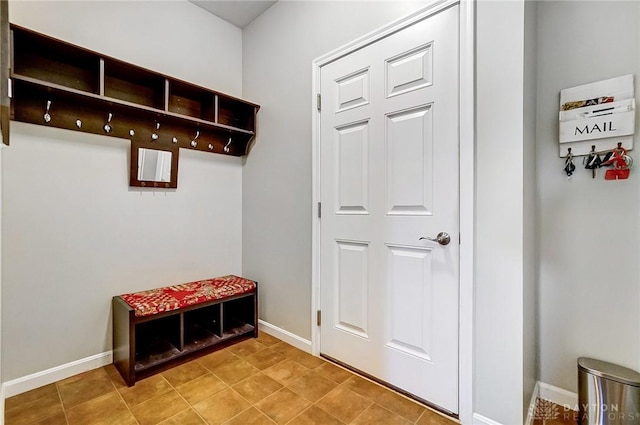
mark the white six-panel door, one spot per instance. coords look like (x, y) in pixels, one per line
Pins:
(389, 175)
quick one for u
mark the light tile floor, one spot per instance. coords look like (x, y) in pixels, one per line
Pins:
(257, 381)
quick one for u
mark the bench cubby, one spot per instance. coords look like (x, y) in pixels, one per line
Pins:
(155, 329)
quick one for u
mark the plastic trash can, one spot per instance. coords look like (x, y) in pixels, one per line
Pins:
(608, 394)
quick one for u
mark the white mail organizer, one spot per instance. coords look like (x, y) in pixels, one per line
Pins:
(599, 114)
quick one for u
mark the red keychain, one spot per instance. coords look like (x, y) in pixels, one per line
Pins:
(620, 161)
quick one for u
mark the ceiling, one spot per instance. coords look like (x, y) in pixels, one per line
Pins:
(238, 12)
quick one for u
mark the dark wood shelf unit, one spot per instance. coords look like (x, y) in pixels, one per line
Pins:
(87, 86)
(144, 345)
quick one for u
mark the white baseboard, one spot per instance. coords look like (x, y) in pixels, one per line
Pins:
(557, 395)
(482, 420)
(541, 390)
(286, 336)
(49, 376)
(532, 404)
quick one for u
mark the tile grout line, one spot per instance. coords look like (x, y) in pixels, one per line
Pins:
(37, 400)
(185, 400)
(121, 398)
(362, 413)
(338, 384)
(286, 357)
(371, 400)
(230, 387)
(374, 400)
(275, 392)
(254, 405)
(251, 405)
(299, 414)
(64, 411)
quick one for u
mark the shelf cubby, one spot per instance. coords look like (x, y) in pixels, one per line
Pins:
(234, 113)
(48, 60)
(202, 328)
(237, 316)
(133, 84)
(156, 342)
(186, 99)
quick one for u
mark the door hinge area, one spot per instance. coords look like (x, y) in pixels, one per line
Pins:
(319, 209)
(318, 317)
(319, 102)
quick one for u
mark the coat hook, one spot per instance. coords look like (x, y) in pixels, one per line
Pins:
(47, 116)
(226, 147)
(132, 132)
(78, 123)
(210, 147)
(107, 127)
(154, 136)
(174, 140)
(193, 142)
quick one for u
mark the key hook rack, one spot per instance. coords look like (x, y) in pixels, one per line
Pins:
(619, 161)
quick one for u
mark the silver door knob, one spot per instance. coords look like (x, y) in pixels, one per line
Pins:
(442, 238)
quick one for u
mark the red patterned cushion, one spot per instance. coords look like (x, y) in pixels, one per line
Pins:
(169, 298)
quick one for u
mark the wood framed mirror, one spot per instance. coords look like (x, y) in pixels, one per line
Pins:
(153, 166)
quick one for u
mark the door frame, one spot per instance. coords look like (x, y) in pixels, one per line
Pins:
(466, 190)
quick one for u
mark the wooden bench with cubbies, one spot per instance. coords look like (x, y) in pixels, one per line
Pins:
(153, 329)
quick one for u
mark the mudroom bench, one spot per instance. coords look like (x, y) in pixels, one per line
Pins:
(154, 328)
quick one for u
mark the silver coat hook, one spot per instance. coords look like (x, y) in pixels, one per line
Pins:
(193, 142)
(210, 147)
(107, 127)
(47, 116)
(226, 147)
(132, 132)
(154, 136)
(78, 123)
(174, 140)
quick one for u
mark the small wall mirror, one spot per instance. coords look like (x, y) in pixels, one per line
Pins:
(155, 166)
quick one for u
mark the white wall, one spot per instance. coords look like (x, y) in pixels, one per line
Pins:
(530, 279)
(589, 228)
(74, 233)
(278, 48)
(502, 185)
